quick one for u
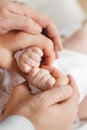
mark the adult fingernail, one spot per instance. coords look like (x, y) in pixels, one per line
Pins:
(37, 28)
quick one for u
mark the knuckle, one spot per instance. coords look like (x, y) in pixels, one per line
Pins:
(33, 63)
(22, 56)
(26, 68)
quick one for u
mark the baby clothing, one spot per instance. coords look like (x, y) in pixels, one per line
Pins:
(8, 80)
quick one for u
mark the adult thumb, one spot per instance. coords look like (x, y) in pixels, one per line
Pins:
(22, 23)
(55, 95)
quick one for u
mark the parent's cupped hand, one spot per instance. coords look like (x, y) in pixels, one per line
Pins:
(53, 109)
(20, 16)
(16, 40)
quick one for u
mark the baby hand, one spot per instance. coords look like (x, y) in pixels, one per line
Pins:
(47, 77)
(40, 78)
(31, 57)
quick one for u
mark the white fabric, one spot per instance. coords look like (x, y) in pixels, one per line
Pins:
(16, 123)
(67, 14)
(80, 125)
(74, 63)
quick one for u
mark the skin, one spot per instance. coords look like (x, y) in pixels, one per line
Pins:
(79, 42)
(42, 78)
(47, 101)
(46, 78)
(82, 113)
(46, 106)
(31, 57)
(20, 40)
(19, 16)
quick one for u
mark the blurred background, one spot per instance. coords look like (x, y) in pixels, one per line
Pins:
(68, 15)
(83, 4)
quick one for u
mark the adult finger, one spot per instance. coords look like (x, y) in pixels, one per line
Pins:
(24, 40)
(61, 79)
(36, 40)
(55, 95)
(23, 23)
(15, 21)
(48, 25)
(55, 72)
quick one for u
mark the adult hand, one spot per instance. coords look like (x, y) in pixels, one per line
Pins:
(60, 78)
(19, 16)
(16, 40)
(40, 78)
(54, 109)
